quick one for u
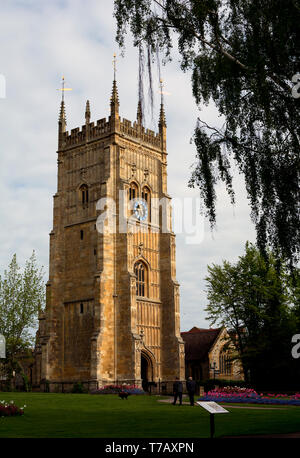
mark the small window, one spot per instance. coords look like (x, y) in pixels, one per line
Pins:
(81, 235)
(81, 308)
(84, 194)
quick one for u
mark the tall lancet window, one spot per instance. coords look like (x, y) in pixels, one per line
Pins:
(133, 191)
(140, 271)
(225, 365)
(84, 194)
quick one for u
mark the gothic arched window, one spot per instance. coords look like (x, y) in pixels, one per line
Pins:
(84, 194)
(146, 194)
(140, 271)
(225, 366)
(133, 191)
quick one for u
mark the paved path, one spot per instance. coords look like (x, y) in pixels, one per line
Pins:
(170, 400)
(254, 407)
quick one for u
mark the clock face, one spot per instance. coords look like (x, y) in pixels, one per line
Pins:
(140, 210)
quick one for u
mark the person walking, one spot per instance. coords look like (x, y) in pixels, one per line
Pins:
(177, 391)
(191, 388)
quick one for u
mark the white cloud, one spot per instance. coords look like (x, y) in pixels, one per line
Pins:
(42, 40)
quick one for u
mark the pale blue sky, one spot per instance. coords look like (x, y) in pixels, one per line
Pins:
(42, 40)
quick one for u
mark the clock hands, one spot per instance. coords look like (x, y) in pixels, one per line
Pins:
(140, 210)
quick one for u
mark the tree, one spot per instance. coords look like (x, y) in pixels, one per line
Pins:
(244, 56)
(254, 300)
(22, 296)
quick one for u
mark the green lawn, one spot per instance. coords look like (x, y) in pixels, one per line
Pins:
(84, 415)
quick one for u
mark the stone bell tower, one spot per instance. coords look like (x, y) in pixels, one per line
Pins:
(112, 309)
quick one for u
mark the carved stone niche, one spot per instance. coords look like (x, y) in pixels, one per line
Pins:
(141, 248)
(133, 170)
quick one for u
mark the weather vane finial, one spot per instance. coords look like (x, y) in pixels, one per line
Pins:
(63, 89)
(162, 89)
(161, 82)
(115, 65)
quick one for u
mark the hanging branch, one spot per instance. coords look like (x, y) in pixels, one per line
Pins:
(150, 91)
(141, 80)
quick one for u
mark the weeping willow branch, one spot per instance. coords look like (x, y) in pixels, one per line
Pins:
(243, 56)
(141, 80)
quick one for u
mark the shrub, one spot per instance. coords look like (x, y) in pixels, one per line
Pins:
(249, 396)
(78, 388)
(10, 409)
(27, 385)
(209, 384)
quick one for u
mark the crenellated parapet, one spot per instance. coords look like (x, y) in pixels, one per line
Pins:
(137, 131)
(103, 127)
(113, 125)
(79, 136)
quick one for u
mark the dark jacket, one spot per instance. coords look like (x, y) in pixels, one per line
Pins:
(191, 386)
(177, 387)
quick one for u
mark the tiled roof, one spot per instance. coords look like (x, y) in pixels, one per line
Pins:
(198, 342)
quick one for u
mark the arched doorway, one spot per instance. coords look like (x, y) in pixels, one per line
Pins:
(146, 370)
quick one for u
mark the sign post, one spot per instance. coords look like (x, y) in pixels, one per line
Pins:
(213, 408)
(212, 425)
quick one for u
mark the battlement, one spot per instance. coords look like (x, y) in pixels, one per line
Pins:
(103, 127)
(79, 135)
(139, 132)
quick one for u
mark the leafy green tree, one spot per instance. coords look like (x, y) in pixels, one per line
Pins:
(253, 298)
(244, 56)
(22, 296)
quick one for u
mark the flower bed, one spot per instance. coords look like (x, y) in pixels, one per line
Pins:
(9, 409)
(249, 396)
(115, 389)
